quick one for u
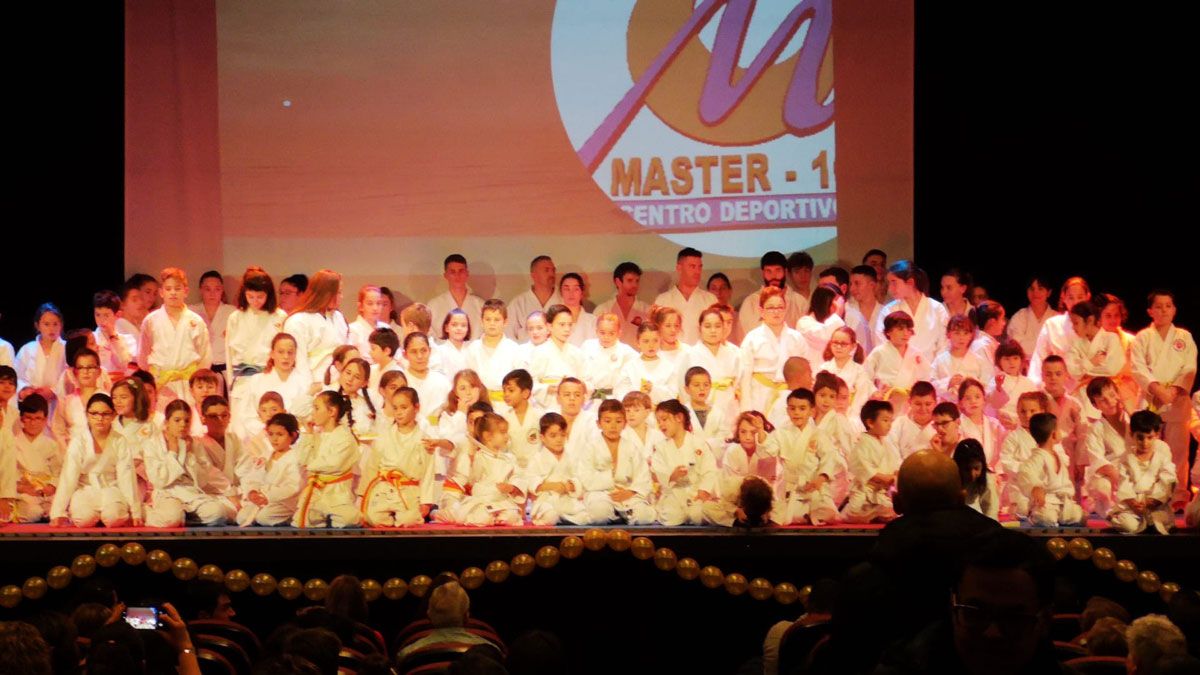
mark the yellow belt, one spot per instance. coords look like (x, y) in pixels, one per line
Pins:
(397, 478)
(776, 387)
(550, 380)
(316, 482)
(170, 375)
(496, 396)
(723, 383)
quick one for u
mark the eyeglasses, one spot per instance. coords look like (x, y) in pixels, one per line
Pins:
(773, 309)
(100, 415)
(87, 367)
(840, 343)
(979, 619)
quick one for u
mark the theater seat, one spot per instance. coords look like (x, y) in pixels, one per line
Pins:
(1066, 650)
(230, 630)
(1064, 627)
(212, 663)
(231, 651)
(419, 629)
(350, 660)
(435, 657)
(1097, 665)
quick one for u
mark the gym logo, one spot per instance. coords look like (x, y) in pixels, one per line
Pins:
(703, 116)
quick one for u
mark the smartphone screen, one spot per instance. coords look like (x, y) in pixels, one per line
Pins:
(142, 618)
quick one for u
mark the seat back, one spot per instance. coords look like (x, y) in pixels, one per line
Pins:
(212, 663)
(1066, 650)
(1064, 627)
(228, 649)
(436, 655)
(230, 630)
(1097, 665)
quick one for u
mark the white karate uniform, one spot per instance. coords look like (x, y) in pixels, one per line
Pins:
(947, 365)
(989, 433)
(118, 353)
(280, 481)
(549, 364)
(493, 363)
(97, 487)
(226, 458)
(432, 391)
(605, 365)
(1024, 327)
(804, 454)
(7, 356)
(724, 369)
(689, 309)
(662, 375)
(70, 417)
(452, 359)
(38, 461)
(185, 482)
(1079, 358)
(317, 336)
(678, 503)
(1002, 400)
(1153, 478)
(8, 476)
(330, 459)
(217, 325)
(1054, 339)
(1072, 427)
(644, 444)
(856, 378)
(598, 476)
(929, 325)
(36, 368)
(909, 437)
(1051, 471)
(524, 435)
(628, 327)
(358, 334)
(472, 306)
(294, 390)
(248, 335)
(474, 498)
(987, 502)
(169, 350)
(763, 356)
(1105, 446)
(1169, 361)
(817, 334)
(984, 346)
(519, 309)
(377, 374)
(584, 328)
(871, 456)
(750, 313)
(550, 508)
(716, 430)
(863, 326)
(398, 477)
(890, 370)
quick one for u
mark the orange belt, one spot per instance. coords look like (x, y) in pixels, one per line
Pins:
(452, 486)
(319, 482)
(397, 478)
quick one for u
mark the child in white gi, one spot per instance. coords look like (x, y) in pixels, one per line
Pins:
(607, 357)
(1164, 365)
(493, 355)
(185, 481)
(524, 420)
(370, 305)
(174, 339)
(40, 363)
(452, 344)
(1019, 445)
(283, 376)
(1056, 335)
(638, 411)
(352, 384)
(1107, 443)
(722, 360)
(975, 423)
(224, 449)
(764, 351)
(927, 316)
(1046, 495)
(272, 484)
(614, 473)
(69, 416)
(988, 316)
(382, 345)
(117, 348)
(329, 454)
(808, 466)
(250, 329)
(914, 430)
(317, 325)
(957, 362)
(202, 384)
(557, 358)
(686, 472)
(714, 425)
(1027, 322)
(1147, 479)
(97, 483)
(844, 360)
(1008, 385)
(38, 460)
(873, 468)
(549, 478)
(432, 386)
(486, 475)
(979, 488)
(895, 365)
(1094, 352)
(749, 453)
(400, 466)
(1072, 425)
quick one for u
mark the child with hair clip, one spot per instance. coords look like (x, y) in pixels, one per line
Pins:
(979, 488)
(914, 430)
(1027, 322)
(452, 347)
(431, 385)
(1057, 334)
(824, 317)
(550, 479)
(607, 357)
(97, 483)
(958, 362)
(36, 460)
(685, 471)
(41, 362)
(1147, 479)
(556, 358)
(284, 376)
(654, 376)
(988, 317)
(895, 365)
(369, 319)
(1094, 352)
(493, 356)
(908, 285)
(353, 385)
(174, 339)
(316, 323)
(764, 351)
(614, 473)
(874, 465)
(976, 423)
(272, 484)
(1008, 384)
(185, 481)
(117, 349)
(721, 360)
(956, 288)
(399, 467)
(250, 330)
(1046, 494)
(69, 415)
(809, 465)
(843, 357)
(329, 454)
(1163, 358)
(486, 479)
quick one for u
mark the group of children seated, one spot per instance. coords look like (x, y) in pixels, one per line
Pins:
(302, 418)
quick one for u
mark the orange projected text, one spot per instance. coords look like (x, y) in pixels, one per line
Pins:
(728, 174)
